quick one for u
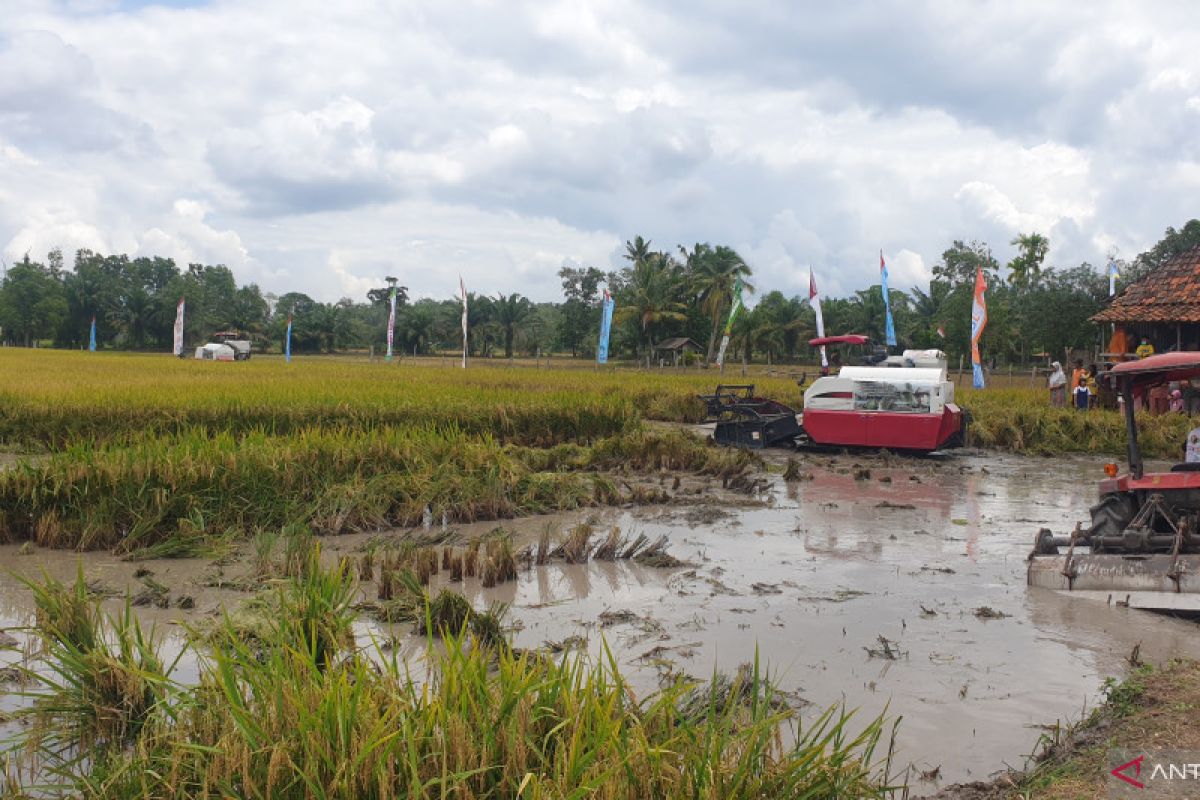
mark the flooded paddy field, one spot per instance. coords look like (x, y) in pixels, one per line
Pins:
(894, 585)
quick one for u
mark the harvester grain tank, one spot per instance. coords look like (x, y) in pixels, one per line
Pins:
(225, 346)
(902, 402)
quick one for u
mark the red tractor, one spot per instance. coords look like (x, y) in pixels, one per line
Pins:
(1142, 548)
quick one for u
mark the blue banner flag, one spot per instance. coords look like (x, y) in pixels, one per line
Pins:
(606, 312)
(890, 327)
(287, 342)
(92, 337)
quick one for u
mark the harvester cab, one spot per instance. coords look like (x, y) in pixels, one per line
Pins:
(1142, 547)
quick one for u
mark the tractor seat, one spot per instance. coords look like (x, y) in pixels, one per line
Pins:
(1186, 467)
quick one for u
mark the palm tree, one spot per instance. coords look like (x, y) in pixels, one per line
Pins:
(927, 312)
(712, 274)
(791, 317)
(510, 312)
(134, 316)
(637, 251)
(415, 326)
(651, 294)
(1027, 266)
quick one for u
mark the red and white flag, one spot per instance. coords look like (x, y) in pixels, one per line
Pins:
(178, 339)
(814, 300)
(941, 331)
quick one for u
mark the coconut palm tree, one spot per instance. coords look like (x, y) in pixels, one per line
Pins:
(509, 313)
(651, 295)
(927, 313)
(712, 275)
(638, 250)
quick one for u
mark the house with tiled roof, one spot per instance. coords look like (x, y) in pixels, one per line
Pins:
(1163, 306)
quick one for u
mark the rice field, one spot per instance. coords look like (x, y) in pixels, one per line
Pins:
(135, 451)
(53, 399)
(1021, 421)
(305, 712)
(146, 455)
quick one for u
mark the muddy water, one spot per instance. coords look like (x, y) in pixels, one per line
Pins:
(812, 574)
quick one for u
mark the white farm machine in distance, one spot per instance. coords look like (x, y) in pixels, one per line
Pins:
(225, 346)
(1142, 548)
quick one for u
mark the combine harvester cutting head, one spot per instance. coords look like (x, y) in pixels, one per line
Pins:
(1143, 546)
(744, 420)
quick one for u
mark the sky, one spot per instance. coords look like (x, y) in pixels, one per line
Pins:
(320, 146)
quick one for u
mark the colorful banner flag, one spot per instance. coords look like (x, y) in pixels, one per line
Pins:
(462, 288)
(814, 300)
(1113, 274)
(92, 336)
(737, 306)
(391, 321)
(889, 326)
(978, 323)
(178, 337)
(287, 341)
(606, 312)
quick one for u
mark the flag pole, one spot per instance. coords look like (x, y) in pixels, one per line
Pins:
(391, 327)
(462, 288)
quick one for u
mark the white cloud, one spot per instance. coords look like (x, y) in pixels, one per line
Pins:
(318, 146)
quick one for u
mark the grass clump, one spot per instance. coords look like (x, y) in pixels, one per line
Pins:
(305, 713)
(98, 680)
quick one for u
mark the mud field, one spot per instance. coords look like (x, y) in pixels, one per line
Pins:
(892, 584)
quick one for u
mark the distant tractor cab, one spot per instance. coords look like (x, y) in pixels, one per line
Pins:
(225, 346)
(1142, 548)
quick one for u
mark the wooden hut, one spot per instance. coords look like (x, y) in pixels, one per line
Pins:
(1163, 306)
(673, 349)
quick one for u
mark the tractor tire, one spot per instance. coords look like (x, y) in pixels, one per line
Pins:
(1112, 515)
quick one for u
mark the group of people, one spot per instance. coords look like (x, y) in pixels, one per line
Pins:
(1084, 385)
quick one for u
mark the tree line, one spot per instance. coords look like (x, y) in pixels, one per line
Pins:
(685, 292)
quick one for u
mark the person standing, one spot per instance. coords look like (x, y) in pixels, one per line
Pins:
(1058, 386)
(1144, 349)
(1191, 453)
(1079, 392)
(1091, 383)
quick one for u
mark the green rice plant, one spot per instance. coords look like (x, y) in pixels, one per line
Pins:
(135, 497)
(98, 679)
(283, 718)
(1021, 420)
(448, 613)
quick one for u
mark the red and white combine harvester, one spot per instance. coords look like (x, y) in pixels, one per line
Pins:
(899, 402)
(1142, 548)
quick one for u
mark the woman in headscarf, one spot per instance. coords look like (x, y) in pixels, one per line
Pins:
(1058, 385)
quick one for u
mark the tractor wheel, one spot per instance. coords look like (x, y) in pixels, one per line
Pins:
(1112, 515)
